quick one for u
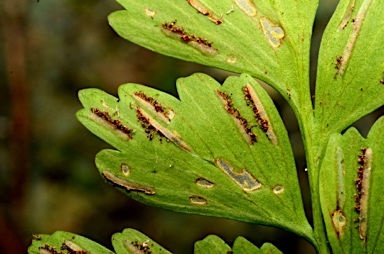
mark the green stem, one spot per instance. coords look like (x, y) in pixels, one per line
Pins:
(312, 149)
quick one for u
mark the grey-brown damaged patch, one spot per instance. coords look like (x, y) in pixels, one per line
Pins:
(197, 200)
(204, 183)
(127, 185)
(247, 6)
(125, 169)
(349, 47)
(201, 8)
(197, 42)
(243, 178)
(274, 33)
(347, 16)
(341, 189)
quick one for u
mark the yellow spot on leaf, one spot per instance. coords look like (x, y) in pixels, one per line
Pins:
(231, 59)
(278, 189)
(339, 222)
(150, 13)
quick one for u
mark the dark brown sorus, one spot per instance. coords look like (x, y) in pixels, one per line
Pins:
(115, 122)
(359, 180)
(264, 125)
(157, 106)
(148, 127)
(171, 27)
(229, 107)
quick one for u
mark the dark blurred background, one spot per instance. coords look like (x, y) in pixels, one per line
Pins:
(49, 50)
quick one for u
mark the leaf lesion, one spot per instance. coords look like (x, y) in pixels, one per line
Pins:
(242, 122)
(126, 184)
(114, 123)
(198, 42)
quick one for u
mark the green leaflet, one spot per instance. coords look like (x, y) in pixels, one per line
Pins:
(242, 245)
(206, 153)
(215, 245)
(351, 178)
(64, 242)
(131, 241)
(211, 245)
(350, 76)
(261, 38)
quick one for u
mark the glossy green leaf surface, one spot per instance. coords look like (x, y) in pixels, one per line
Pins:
(260, 38)
(350, 77)
(65, 242)
(221, 151)
(351, 187)
(131, 241)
